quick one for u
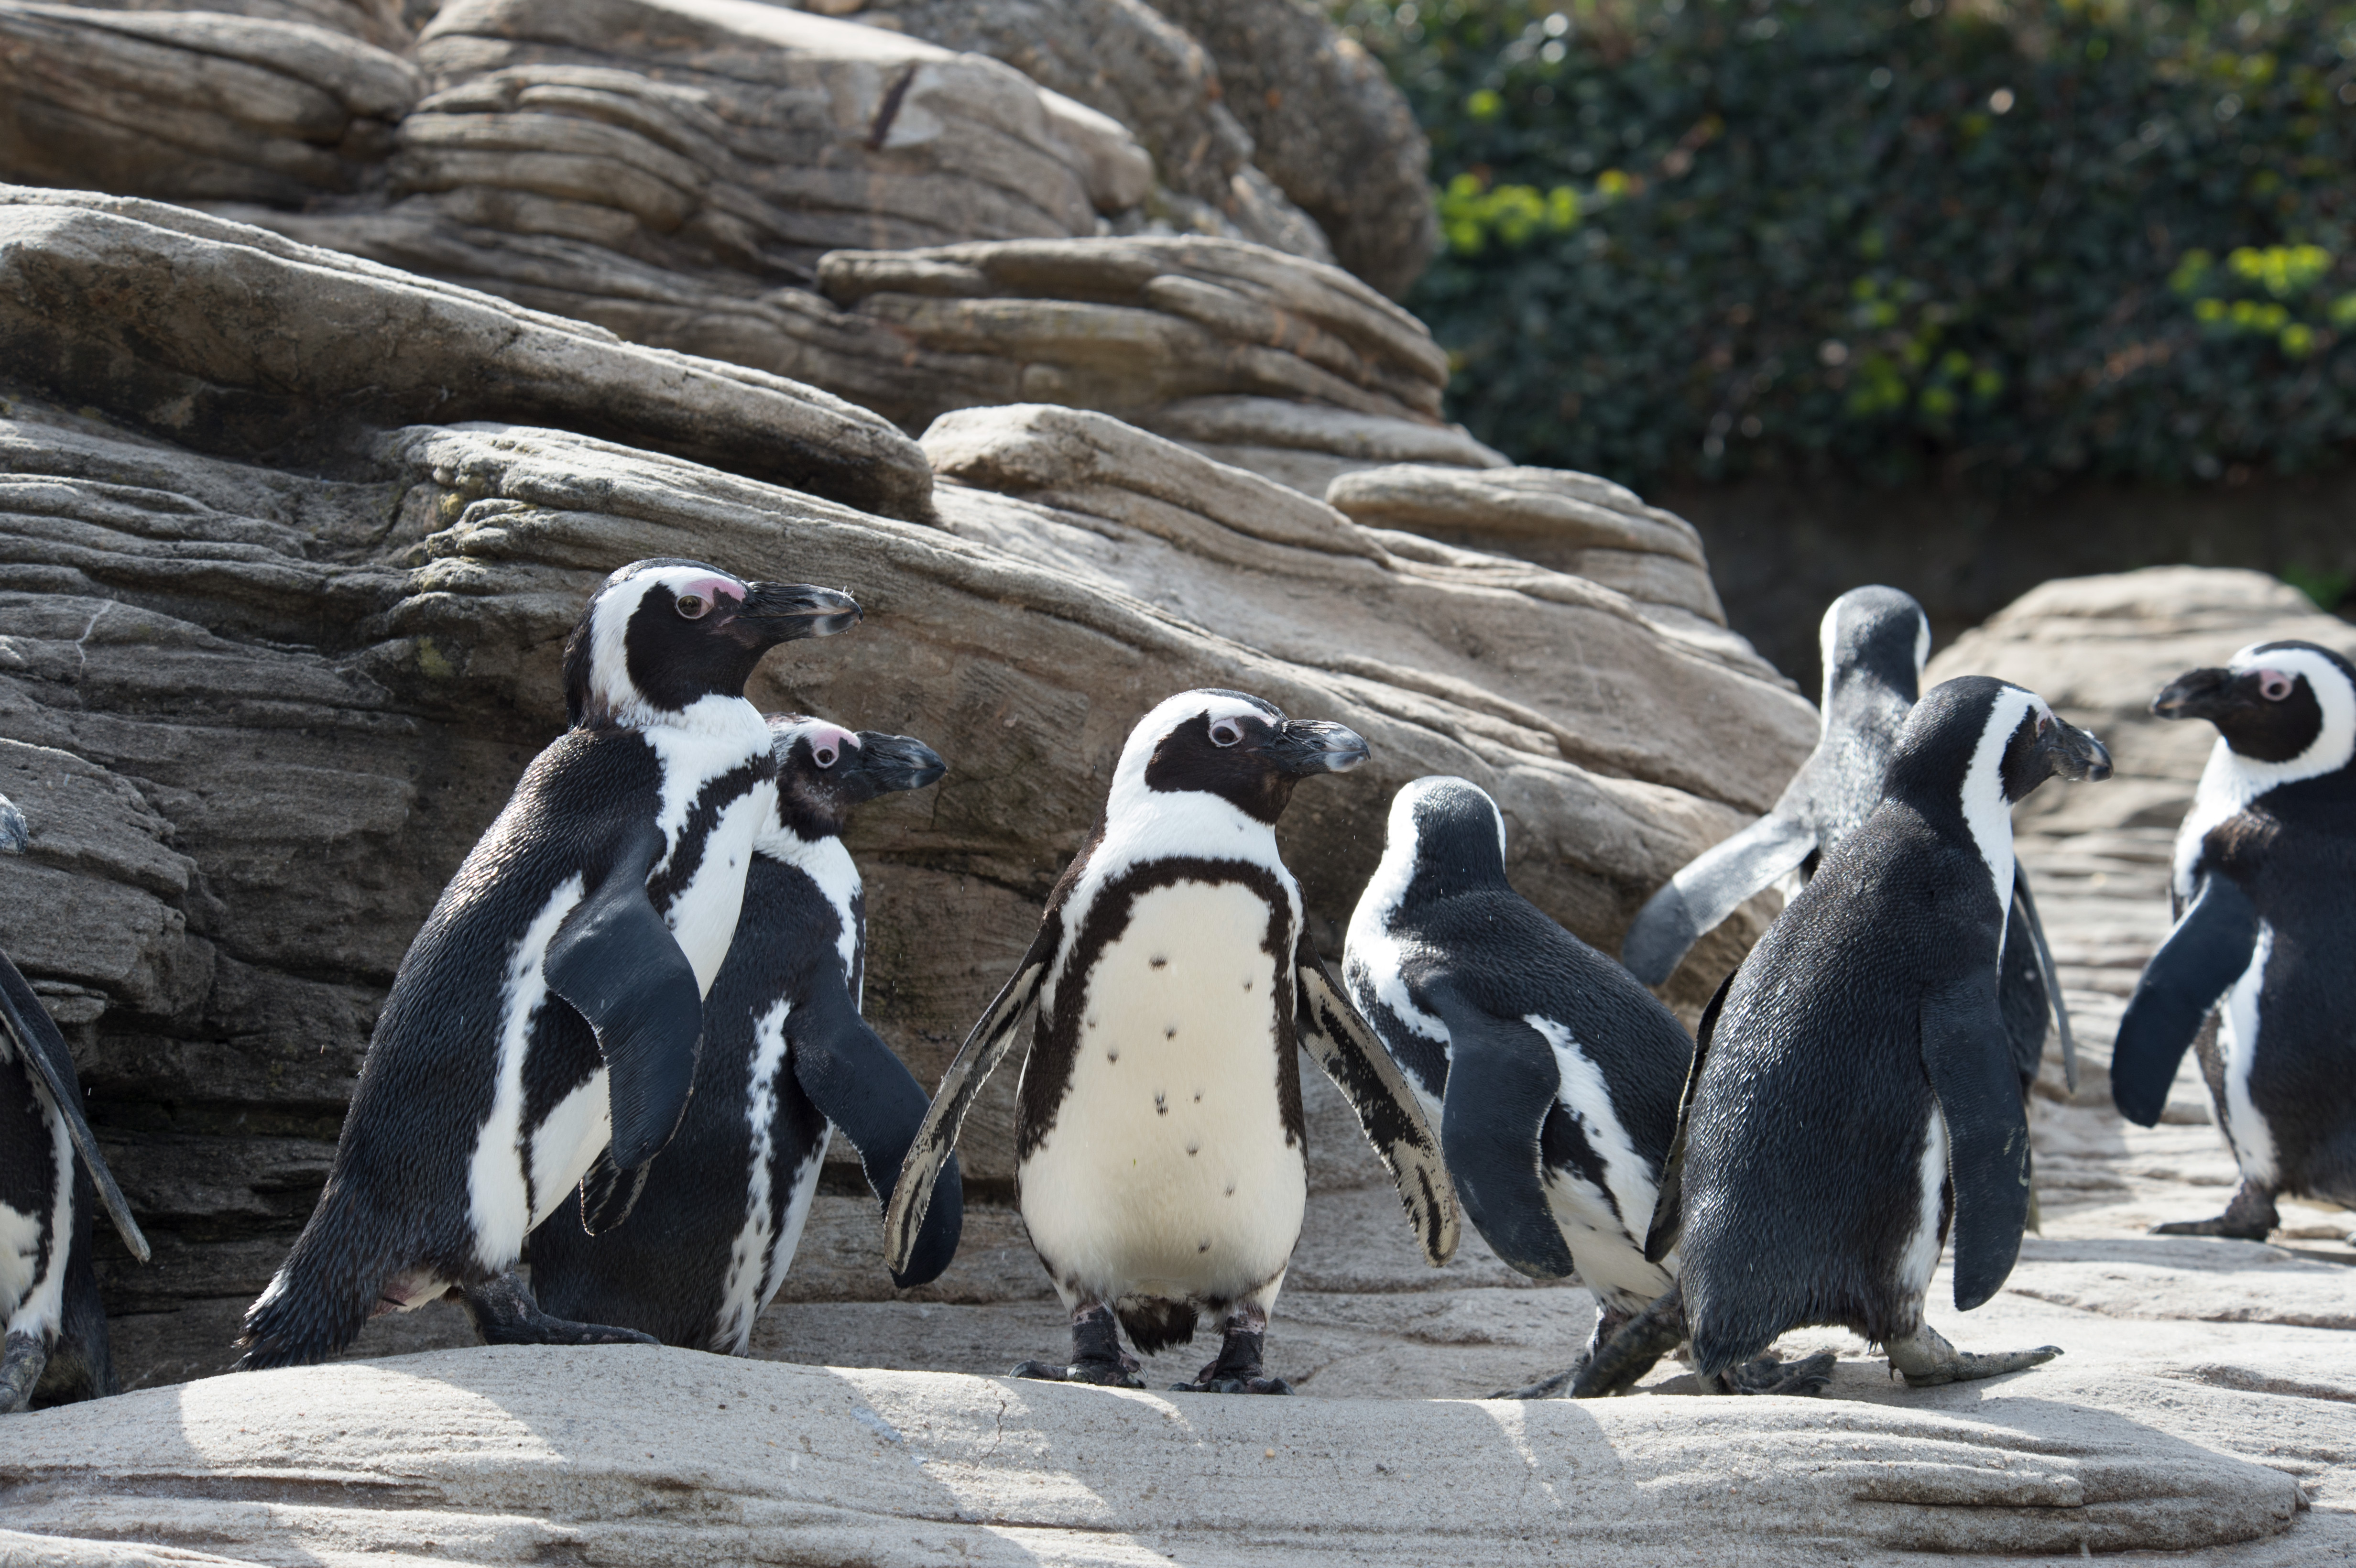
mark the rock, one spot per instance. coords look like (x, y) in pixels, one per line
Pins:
(1125, 58)
(1572, 522)
(1328, 127)
(193, 106)
(1305, 446)
(383, 23)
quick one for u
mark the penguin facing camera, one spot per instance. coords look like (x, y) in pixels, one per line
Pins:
(1854, 1098)
(1161, 1152)
(51, 1178)
(2264, 895)
(1552, 1074)
(786, 1060)
(1875, 640)
(547, 1013)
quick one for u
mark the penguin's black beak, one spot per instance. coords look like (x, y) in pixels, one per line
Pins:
(2208, 694)
(1305, 746)
(787, 612)
(894, 763)
(14, 832)
(2075, 754)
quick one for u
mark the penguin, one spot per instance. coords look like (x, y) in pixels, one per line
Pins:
(51, 1178)
(1161, 1155)
(1875, 643)
(1552, 1075)
(2264, 930)
(787, 1060)
(1854, 1097)
(547, 1015)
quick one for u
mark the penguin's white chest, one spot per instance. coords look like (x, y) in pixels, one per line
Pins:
(1167, 1170)
(2238, 1031)
(702, 913)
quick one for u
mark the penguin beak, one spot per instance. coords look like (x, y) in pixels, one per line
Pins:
(1305, 746)
(896, 763)
(787, 612)
(14, 832)
(2198, 694)
(2075, 754)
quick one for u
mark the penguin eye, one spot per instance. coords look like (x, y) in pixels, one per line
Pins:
(2272, 685)
(824, 754)
(693, 606)
(1226, 733)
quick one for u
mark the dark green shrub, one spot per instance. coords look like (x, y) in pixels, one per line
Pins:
(1716, 237)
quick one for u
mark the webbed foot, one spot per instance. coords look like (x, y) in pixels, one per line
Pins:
(1096, 1355)
(504, 1313)
(1925, 1359)
(1237, 1368)
(2249, 1217)
(20, 1371)
(1767, 1374)
(1614, 1365)
(1545, 1388)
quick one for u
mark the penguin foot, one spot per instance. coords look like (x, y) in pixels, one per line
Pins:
(504, 1313)
(1615, 1364)
(2249, 1217)
(1767, 1374)
(1925, 1359)
(20, 1371)
(1546, 1388)
(1121, 1373)
(1237, 1368)
(1234, 1385)
(1096, 1355)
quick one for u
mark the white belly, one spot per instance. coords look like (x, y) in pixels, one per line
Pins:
(1167, 1171)
(703, 916)
(1604, 1231)
(2237, 1034)
(32, 1290)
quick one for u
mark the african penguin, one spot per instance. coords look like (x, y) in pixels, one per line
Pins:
(52, 1176)
(1159, 1148)
(1552, 1074)
(1875, 640)
(1854, 1094)
(547, 1014)
(787, 1060)
(2265, 933)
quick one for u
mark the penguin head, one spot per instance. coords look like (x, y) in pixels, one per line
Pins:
(14, 833)
(2289, 708)
(1879, 635)
(1445, 836)
(824, 770)
(662, 635)
(1994, 740)
(1241, 749)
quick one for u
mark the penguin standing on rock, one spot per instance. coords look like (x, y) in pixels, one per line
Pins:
(2265, 895)
(51, 1178)
(1854, 1097)
(787, 1060)
(547, 1014)
(1875, 640)
(1552, 1074)
(1161, 1152)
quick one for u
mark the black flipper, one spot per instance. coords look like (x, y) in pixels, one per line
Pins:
(2207, 952)
(2045, 969)
(1969, 1058)
(44, 1051)
(1712, 886)
(609, 1193)
(856, 1082)
(1332, 1033)
(1502, 1082)
(911, 1195)
(1669, 1222)
(617, 964)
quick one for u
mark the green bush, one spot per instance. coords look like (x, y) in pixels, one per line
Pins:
(1719, 237)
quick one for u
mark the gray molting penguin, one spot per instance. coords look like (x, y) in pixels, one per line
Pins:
(1161, 1152)
(786, 1062)
(1875, 640)
(542, 1029)
(51, 1178)
(2265, 936)
(1854, 1097)
(1552, 1074)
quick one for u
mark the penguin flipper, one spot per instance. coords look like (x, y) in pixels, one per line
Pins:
(1502, 1084)
(2201, 958)
(609, 1193)
(617, 964)
(44, 1050)
(2025, 907)
(1710, 887)
(911, 1195)
(858, 1085)
(1668, 1218)
(1969, 1058)
(1351, 1055)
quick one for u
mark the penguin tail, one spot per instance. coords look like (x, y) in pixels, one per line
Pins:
(322, 1296)
(1155, 1324)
